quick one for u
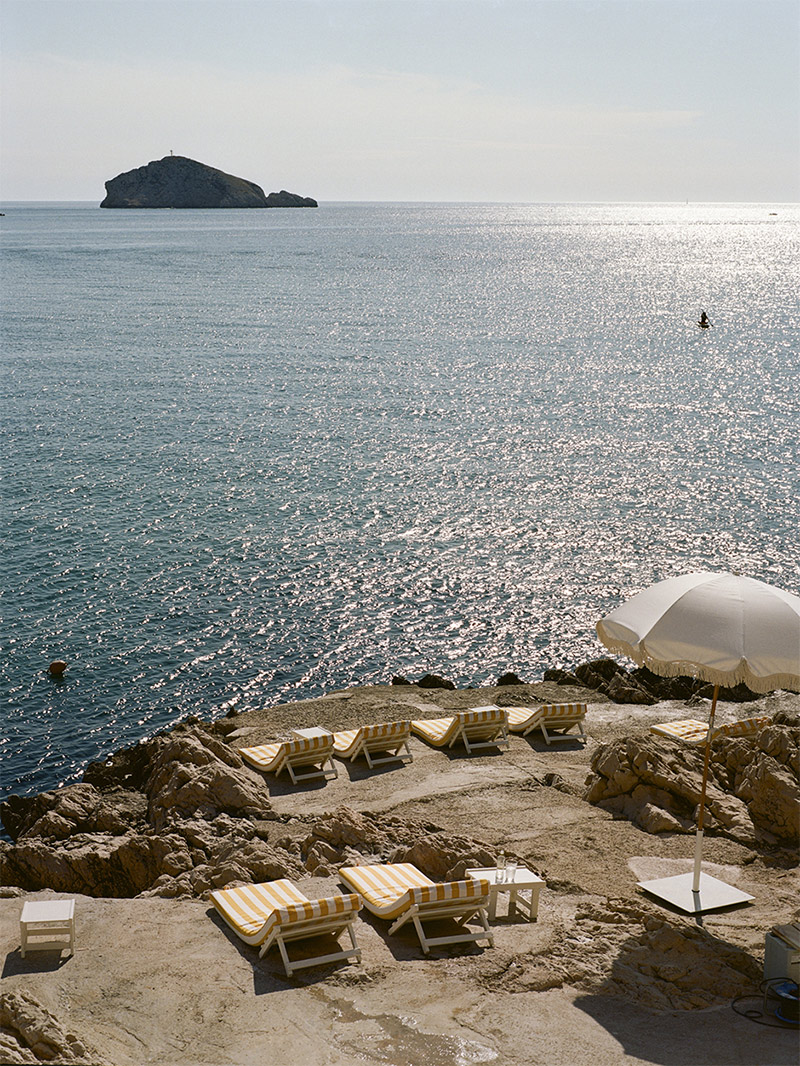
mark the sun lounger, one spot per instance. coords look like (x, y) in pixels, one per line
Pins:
(479, 727)
(290, 755)
(278, 912)
(692, 731)
(747, 727)
(401, 892)
(390, 738)
(689, 729)
(560, 717)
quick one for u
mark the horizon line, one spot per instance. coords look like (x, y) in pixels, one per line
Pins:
(424, 201)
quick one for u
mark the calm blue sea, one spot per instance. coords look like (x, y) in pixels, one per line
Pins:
(250, 456)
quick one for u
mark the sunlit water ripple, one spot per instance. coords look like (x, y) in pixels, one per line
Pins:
(252, 456)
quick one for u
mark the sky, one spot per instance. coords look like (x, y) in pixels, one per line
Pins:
(431, 100)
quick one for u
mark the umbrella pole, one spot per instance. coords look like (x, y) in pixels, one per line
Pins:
(683, 890)
(698, 842)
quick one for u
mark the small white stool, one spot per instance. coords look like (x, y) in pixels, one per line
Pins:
(524, 882)
(47, 918)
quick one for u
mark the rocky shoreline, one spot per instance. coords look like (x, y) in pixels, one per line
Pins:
(181, 813)
(152, 830)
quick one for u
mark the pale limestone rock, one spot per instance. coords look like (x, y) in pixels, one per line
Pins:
(78, 808)
(656, 820)
(196, 774)
(90, 864)
(445, 858)
(772, 795)
(29, 1033)
(753, 792)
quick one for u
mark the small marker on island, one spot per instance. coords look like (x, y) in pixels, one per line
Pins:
(57, 668)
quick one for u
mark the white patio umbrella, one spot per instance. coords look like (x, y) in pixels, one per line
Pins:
(723, 629)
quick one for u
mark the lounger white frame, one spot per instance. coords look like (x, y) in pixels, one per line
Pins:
(290, 755)
(288, 915)
(558, 716)
(454, 909)
(401, 892)
(301, 930)
(475, 728)
(389, 737)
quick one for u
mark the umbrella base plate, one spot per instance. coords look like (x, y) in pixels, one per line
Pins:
(711, 896)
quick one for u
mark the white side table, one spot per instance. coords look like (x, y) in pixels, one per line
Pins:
(523, 891)
(313, 731)
(47, 918)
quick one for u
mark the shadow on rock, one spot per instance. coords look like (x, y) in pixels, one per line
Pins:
(663, 987)
(34, 962)
(712, 1038)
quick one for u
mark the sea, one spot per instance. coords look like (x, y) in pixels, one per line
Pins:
(250, 457)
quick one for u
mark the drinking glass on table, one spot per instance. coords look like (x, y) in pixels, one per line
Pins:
(511, 871)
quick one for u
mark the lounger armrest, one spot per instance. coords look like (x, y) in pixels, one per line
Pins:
(449, 890)
(329, 907)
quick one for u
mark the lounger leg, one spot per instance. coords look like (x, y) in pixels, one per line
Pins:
(485, 924)
(421, 934)
(284, 955)
(367, 756)
(351, 933)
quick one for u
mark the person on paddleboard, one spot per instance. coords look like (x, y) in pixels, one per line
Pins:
(703, 322)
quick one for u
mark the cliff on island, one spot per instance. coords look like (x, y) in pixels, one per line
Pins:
(176, 181)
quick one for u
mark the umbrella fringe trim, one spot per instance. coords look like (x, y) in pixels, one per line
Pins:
(723, 678)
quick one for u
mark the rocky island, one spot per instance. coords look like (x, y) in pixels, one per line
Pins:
(176, 181)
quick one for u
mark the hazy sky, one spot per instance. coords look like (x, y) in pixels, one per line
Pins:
(489, 100)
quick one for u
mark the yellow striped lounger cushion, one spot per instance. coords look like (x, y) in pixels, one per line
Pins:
(686, 729)
(401, 892)
(349, 741)
(270, 757)
(389, 889)
(346, 741)
(693, 732)
(253, 911)
(555, 715)
(563, 712)
(520, 718)
(247, 907)
(748, 727)
(440, 731)
(385, 886)
(449, 890)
